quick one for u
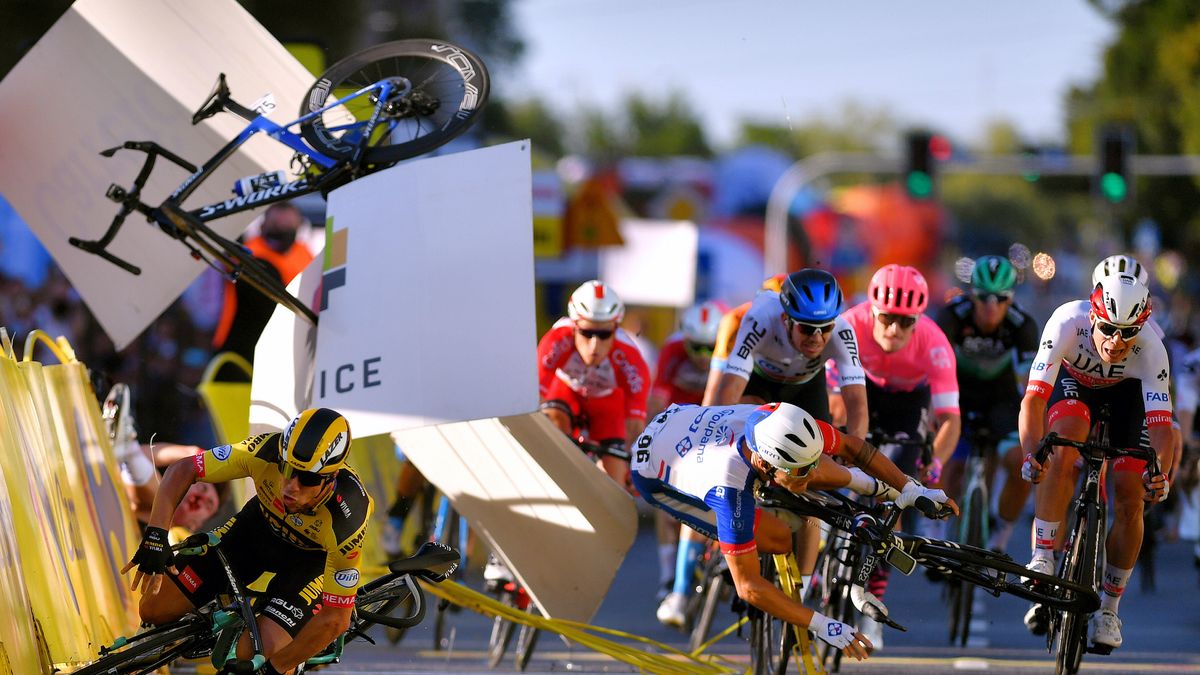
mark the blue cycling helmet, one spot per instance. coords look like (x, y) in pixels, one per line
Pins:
(811, 296)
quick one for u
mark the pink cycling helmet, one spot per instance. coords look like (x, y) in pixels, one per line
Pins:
(898, 289)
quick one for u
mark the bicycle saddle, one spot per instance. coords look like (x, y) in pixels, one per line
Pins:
(434, 560)
(215, 103)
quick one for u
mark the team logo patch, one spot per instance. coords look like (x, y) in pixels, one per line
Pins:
(295, 520)
(682, 447)
(189, 579)
(346, 578)
(835, 629)
(222, 453)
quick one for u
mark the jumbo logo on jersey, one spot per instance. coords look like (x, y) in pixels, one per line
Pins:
(346, 578)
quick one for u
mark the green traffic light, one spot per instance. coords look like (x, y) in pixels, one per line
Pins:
(920, 185)
(1113, 187)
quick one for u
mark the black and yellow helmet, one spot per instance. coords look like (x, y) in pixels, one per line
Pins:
(317, 441)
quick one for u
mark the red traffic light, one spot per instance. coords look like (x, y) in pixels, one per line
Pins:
(939, 148)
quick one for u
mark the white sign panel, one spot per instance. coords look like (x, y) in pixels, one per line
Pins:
(428, 305)
(115, 70)
(283, 359)
(657, 264)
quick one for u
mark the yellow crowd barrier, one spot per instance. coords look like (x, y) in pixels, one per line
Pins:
(70, 518)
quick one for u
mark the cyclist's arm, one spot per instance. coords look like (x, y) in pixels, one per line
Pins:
(1031, 421)
(175, 483)
(320, 630)
(949, 427)
(729, 389)
(868, 458)
(854, 398)
(1162, 440)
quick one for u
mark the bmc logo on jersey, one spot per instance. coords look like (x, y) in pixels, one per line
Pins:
(346, 578)
(221, 453)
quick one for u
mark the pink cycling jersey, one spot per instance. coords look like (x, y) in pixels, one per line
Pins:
(927, 358)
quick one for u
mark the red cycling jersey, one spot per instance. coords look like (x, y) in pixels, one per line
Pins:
(602, 396)
(677, 379)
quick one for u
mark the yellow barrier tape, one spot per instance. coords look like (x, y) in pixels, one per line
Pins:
(671, 661)
(718, 637)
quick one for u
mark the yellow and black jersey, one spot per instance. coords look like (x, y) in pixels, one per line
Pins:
(337, 525)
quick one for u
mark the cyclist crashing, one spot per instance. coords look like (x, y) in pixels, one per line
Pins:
(306, 525)
(1092, 353)
(700, 464)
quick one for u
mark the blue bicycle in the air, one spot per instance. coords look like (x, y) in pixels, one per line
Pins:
(366, 112)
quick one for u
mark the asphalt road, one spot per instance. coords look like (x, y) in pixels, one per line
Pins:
(1161, 629)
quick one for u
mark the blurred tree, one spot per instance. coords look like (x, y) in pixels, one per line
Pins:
(853, 128)
(530, 119)
(641, 127)
(1151, 79)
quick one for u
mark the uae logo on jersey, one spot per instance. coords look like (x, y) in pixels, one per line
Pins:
(682, 447)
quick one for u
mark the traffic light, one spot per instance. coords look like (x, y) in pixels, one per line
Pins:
(923, 150)
(1114, 178)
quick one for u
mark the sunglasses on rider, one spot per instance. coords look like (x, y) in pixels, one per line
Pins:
(305, 478)
(598, 333)
(981, 296)
(801, 472)
(698, 349)
(1109, 329)
(810, 328)
(905, 321)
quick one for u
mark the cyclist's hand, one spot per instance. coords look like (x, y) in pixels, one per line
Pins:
(931, 473)
(1157, 487)
(840, 635)
(1031, 470)
(913, 490)
(268, 669)
(153, 558)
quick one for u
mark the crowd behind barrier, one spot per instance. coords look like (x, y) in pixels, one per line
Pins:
(67, 524)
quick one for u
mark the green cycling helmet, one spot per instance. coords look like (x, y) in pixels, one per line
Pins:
(993, 274)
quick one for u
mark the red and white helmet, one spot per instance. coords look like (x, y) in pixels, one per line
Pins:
(1121, 299)
(700, 322)
(1120, 264)
(898, 289)
(594, 301)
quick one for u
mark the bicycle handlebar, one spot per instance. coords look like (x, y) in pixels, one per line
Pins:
(1052, 440)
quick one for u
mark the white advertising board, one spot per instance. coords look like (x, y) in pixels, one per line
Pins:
(109, 71)
(428, 297)
(657, 264)
(560, 523)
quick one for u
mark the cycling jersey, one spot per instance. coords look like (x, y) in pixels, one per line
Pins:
(926, 359)
(678, 378)
(336, 526)
(763, 347)
(606, 394)
(1067, 342)
(985, 359)
(687, 462)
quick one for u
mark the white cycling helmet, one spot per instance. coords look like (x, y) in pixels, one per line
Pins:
(1120, 264)
(700, 322)
(785, 436)
(1121, 299)
(593, 301)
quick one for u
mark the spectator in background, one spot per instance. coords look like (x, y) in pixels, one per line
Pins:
(246, 311)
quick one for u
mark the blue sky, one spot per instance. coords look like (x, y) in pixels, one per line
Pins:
(951, 65)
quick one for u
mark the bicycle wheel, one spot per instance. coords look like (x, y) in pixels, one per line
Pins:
(445, 531)
(502, 632)
(148, 654)
(976, 522)
(702, 626)
(449, 86)
(1079, 565)
(768, 635)
(527, 639)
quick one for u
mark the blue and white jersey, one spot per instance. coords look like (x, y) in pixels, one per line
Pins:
(687, 463)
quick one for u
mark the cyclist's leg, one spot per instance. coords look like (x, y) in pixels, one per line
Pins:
(1013, 495)
(165, 606)
(1069, 415)
(952, 473)
(668, 538)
